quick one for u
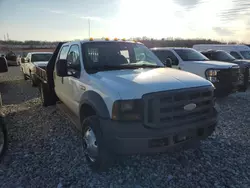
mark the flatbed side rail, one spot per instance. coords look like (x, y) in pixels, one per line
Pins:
(41, 74)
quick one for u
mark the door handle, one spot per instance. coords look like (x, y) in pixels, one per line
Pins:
(82, 87)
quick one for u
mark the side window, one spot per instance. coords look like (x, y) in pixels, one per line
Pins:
(168, 54)
(93, 54)
(73, 60)
(125, 53)
(63, 52)
(28, 57)
(236, 55)
(210, 56)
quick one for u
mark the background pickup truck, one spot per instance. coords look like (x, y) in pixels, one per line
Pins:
(32, 60)
(244, 64)
(123, 100)
(3, 128)
(224, 76)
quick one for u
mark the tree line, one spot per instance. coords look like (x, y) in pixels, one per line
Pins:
(170, 42)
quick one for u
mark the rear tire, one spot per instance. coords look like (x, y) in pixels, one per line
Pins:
(24, 76)
(102, 159)
(44, 94)
(33, 83)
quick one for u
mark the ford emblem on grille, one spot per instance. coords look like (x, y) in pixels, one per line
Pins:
(190, 107)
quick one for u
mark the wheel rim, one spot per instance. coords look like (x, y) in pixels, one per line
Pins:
(1, 141)
(90, 144)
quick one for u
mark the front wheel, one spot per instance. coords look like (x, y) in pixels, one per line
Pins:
(97, 154)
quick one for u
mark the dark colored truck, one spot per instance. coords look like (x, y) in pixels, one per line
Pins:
(124, 101)
(223, 56)
(3, 128)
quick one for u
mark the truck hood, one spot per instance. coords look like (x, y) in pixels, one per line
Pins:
(134, 83)
(213, 64)
(40, 63)
(242, 62)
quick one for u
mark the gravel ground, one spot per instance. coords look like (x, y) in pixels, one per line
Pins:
(44, 151)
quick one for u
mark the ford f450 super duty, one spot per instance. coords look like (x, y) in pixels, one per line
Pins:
(124, 100)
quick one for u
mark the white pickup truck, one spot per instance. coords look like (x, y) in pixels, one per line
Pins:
(123, 104)
(224, 76)
(32, 60)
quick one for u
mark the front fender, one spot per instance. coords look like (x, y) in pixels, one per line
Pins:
(96, 102)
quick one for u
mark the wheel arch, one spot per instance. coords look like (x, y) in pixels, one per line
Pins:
(95, 103)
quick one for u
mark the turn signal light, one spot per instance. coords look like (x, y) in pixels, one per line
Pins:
(91, 39)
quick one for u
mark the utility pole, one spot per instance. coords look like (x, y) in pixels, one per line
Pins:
(8, 37)
(89, 27)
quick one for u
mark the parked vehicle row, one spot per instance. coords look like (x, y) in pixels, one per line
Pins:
(224, 76)
(237, 51)
(125, 98)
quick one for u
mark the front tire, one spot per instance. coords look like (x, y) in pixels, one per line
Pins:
(97, 154)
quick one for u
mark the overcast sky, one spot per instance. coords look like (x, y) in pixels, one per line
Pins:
(68, 19)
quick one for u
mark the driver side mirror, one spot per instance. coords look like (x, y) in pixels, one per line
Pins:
(61, 68)
(168, 62)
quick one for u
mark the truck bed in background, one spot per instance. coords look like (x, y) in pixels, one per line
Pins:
(41, 74)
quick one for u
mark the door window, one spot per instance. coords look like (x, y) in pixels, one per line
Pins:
(164, 54)
(236, 55)
(63, 52)
(73, 61)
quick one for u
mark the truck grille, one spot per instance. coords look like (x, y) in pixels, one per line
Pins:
(229, 75)
(166, 109)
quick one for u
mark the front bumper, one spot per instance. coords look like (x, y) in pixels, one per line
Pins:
(223, 89)
(134, 138)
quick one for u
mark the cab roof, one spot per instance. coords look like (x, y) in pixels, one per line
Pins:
(168, 48)
(41, 52)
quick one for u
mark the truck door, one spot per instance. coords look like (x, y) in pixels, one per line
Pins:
(74, 86)
(59, 81)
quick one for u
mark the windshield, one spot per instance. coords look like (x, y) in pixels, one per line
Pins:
(40, 57)
(190, 55)
(118, 55)
(245, 54)
(224, 56)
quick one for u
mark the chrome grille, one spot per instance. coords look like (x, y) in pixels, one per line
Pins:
(166, 109)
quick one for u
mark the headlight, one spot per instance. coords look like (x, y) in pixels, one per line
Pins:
(127, 110)
(211, 75)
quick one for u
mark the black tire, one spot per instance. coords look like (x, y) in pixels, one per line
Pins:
(33, 83)
(104, 158)
(44, 94)
(3, 130)
(24, 76)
